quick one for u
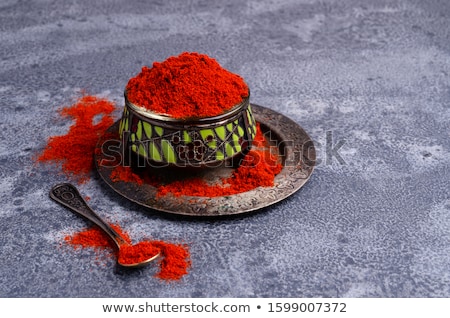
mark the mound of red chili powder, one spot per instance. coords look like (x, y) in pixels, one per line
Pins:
(185, 86)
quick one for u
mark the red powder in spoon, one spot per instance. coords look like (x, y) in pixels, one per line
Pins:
(174, 260)
(137, 253)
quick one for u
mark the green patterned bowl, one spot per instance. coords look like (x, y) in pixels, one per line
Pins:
(160, 140)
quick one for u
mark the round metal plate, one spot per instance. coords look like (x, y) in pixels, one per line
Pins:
(287, 138)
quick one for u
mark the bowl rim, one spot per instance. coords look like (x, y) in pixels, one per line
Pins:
(189, 120)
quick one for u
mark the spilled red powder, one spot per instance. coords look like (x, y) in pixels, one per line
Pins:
(187, 85)
(74, 151)
(174, 260)
(122, 173)
(256, 170)
(259, 141)
(95, 238)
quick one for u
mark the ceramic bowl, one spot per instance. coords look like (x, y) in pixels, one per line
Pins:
(161, 140)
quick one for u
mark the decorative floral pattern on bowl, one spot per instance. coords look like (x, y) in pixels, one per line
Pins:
(194, 142)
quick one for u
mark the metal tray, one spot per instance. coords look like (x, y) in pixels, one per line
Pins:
(290, 141)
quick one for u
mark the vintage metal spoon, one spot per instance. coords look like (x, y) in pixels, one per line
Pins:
(68, 195)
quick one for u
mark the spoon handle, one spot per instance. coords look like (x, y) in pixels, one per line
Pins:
(68, 195)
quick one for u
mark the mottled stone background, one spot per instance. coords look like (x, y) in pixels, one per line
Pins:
(373, 76)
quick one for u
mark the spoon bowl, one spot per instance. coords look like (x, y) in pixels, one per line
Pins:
(68, 195)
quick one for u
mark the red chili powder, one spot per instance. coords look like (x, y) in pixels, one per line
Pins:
(95, 238)
(174, 260)
(74, 151)
(137, 253)
(256, 170)
(122, 173)
(188, 85)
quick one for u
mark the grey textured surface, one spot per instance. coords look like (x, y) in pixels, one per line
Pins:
(373, 75)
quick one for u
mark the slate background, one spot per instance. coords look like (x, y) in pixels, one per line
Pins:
(373, 75)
